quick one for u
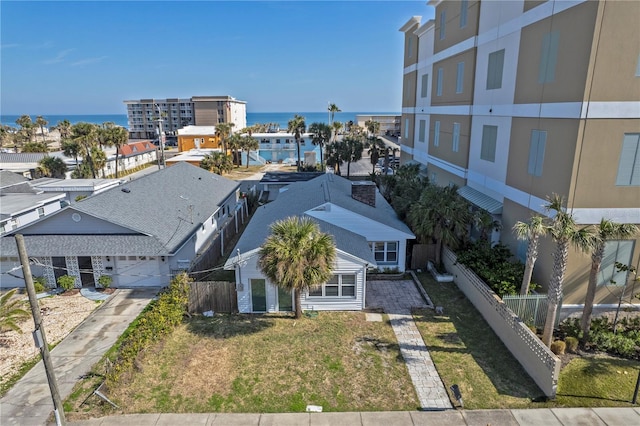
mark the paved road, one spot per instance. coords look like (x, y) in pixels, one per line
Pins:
(29, 401)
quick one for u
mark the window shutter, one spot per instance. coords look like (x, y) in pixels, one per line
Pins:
(436, 133)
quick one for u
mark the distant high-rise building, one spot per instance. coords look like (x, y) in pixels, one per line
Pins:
(176, 113)
(514, 101)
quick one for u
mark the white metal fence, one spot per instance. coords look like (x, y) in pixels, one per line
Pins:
(532, 308)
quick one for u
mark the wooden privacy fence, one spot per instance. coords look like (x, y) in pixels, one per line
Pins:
(420, 254)
(216, 296)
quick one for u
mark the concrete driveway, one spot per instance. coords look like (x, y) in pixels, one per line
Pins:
(29, 401)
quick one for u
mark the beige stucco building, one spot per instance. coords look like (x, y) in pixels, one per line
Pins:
(514, 101)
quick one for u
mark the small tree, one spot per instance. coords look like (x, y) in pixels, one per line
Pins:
(532, 232)
(11, 312)
(105, 281)
(67, 282)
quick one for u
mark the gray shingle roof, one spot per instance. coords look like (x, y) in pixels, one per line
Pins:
(303, 196)
(8, 178)
(169, 204)
(86, 245)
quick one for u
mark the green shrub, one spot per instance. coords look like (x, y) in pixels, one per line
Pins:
(558, 347)
(67, 282)
(105, 281)
(616, 344)
(157, 320)
(571, 327)
(40, 284)
(572, 343)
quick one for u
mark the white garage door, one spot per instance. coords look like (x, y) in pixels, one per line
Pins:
(137, 271)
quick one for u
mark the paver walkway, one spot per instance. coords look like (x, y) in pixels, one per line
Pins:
(397, 298)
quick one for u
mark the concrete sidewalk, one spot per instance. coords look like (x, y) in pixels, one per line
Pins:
(29, 401)
(532, 417)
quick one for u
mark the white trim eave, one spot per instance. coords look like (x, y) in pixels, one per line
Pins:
(430, 24)
(451, 168)
(410, 23)
(232, 261)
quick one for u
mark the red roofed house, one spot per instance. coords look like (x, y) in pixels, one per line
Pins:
(131, 156)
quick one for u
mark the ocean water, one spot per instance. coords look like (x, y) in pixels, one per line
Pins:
(282, 118)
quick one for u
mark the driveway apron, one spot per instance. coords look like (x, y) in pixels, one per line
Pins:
(397, 298)
(29, 401)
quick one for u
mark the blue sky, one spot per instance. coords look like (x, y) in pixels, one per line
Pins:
(88, 57)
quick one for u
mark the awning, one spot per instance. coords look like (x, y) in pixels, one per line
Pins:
(481, 200)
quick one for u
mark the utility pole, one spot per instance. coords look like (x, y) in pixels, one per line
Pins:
(161, 138)
(38, 334)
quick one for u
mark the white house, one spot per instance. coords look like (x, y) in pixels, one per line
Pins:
(139, 233)
(365, 228)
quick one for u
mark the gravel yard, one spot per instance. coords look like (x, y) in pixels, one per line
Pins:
(60, 315)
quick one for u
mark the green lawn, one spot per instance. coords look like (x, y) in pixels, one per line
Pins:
(243, 363)
(466, 352)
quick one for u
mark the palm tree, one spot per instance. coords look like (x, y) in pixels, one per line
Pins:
(34, 147)
(41, 122)
(64, 128)
(233, 143)
(376, 149)
(297, 256)
(532, 231)
(486, 224)
(321, 135)
(86, 135)
(217, 162)
(565, 233)
(607, 230)
(297, 127)
(336, 126)
(332, 108)
(440, 214)
(223, 131)
(373, 127)
(335, 155)
(247, 143)
(118, 137)
(11, 312)
(53, 167)
(353, 148)
(71, 148)
(26, 127)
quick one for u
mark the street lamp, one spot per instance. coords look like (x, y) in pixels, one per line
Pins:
(161, 139)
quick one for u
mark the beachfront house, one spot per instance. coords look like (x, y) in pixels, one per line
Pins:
(365, 228)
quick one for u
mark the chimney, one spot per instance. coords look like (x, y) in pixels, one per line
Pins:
(364, 191)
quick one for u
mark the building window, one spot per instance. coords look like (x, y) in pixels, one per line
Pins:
(629, 165)
(425, 85)
(421, 132)
(436, 133)
(638, 67)
(463, 13)
(406, 128)
(536, 152)
(615, 251)
(548, 58)
(460, 77)
(385, 251)
(40, 211)
(456, 137)
(341, 285)
(494, 70)
(488, 147)
(439, 82)
(443, 19)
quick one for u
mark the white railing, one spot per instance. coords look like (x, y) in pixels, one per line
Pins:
(537, 360)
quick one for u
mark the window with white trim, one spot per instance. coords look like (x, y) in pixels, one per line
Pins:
(439, 82)
(460, 77)
(436, 133)
(385, 251)
(536, 152)
(339, 285)
(40, 211)
(494, 70)
(488, 147)
(615, 251)
(456, 137)
(425, 86)
(443, 21)
(629, 164)
(422, 130)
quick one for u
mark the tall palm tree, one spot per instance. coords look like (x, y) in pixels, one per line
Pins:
(297, 256)
(217, 162)
(223, 132)
(531, 231)
(607, 230)
(118, 137)
(53, 167)
(11, 312)
(85, 134)
(440, 215)
(41, 122)
(297, 127)
(247, 143)
(336, 126)
(321, 135)
(335, 156)
(98, 159)
(565, 233)
(373, 127)
(353, 148)
(376, 150)
(26, 127)
(332, 108)
(234, 144)
(71, 148)
(64, 128)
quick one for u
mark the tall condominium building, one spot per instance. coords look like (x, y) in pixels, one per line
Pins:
(514, 101)
(177, 113)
